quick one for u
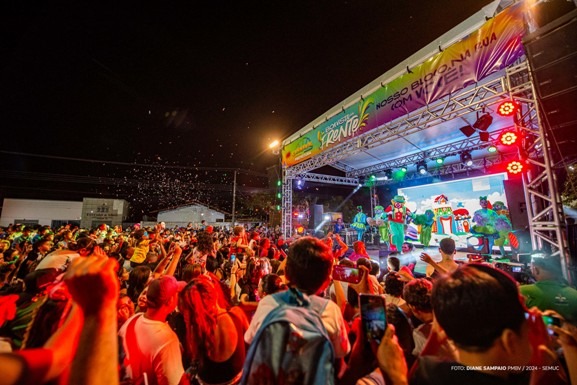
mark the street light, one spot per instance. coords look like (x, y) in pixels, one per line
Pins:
(275, 147)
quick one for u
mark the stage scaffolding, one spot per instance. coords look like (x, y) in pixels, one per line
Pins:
(545, 211)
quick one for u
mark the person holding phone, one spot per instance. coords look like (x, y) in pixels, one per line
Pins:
(550, 292)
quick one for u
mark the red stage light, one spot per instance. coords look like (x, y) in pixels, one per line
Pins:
(515, 167)
(507, 108)
(300, 230)
(508, 138)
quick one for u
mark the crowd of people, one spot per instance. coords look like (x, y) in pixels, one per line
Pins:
(208, 305)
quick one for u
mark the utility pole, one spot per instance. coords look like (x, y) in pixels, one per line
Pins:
(234, 199)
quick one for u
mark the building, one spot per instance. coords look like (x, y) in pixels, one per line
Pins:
(193, 212)
(89, 213)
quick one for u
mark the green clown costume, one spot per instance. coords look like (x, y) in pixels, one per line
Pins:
(382, 223)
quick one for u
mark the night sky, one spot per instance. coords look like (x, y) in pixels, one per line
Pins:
(183, 83)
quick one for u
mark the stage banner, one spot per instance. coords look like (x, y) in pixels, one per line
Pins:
(493, 47)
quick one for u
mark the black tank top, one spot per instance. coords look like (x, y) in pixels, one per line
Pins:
(219, 372)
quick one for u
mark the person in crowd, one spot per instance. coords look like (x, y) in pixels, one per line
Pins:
(339, 226)
(86, 340)
(152, 349)
(447, 264)
(359, 251)
(480, 311)
(551, 291)
(417, 294)
(138, 279)
(308, 269)
(338, 250)
(214, 334)
(374, 282)
(270, 284)
(61, 259)
(141, 247)
(394, 285)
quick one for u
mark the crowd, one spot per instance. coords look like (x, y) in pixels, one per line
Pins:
(207, 305)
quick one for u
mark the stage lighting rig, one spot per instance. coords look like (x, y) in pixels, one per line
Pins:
(508, 138)
(507, 108)
(440, 161)
(467, 130)
(483, 122)
(422, 167)
(466, 158)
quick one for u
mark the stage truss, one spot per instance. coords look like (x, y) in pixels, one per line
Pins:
(546, 218)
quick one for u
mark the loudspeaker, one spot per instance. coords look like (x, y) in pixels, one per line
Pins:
(516, 203)
(552, 56)
(547, 11)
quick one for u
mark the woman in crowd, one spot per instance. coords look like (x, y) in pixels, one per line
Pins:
(214, 335)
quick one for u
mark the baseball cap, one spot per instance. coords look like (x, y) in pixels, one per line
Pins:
(161, 290)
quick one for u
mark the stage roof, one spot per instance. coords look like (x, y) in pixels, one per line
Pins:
(426, 132)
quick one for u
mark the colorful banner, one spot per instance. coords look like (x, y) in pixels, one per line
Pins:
(495, 46)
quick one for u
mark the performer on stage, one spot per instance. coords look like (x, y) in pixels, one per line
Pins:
(426, 222)
(339, 226)
(360, 223)
(484, 220)
(382, 223)
(398, 216)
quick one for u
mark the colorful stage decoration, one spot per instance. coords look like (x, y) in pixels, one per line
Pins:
(493, 47)
(453, 211)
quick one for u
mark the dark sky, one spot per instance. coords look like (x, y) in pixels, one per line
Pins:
(186, 83)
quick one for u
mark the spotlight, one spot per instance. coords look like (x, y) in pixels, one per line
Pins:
(467, 130)
(372, 178)
(300, 183)
(403, 169)
(388, 174)
(483, 122)
(508, 138)
(440, 160)
(507, 108)
(466, 158)
(422, 167)
(515, 167)
(492, 149)
(483, 136)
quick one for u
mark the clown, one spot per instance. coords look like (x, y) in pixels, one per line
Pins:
(382, 223)
(398, 216)
(360, 223)
(426, 221)
(484, 220)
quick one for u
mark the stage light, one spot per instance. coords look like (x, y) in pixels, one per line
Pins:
(278, 182)
(507, 108)
(372, 178)
(483, 122)
(508, 138)
(467, 130)
(300, 183)
(403, 169)
(279, 195)
(440, 160)
(466, 158)
(515, 167)
(492, 149)
(422, 167)
(484, 136)
(388, 174)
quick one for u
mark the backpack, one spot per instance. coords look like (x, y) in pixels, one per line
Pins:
(292, 345)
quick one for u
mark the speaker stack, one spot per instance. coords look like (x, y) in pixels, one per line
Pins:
(552, 56)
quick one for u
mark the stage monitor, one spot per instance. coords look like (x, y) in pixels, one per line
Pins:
(454, 204)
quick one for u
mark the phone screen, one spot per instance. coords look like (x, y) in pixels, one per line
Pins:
(516, 269)
(373, 316)
(233, 258)
(548, 321)
(346, 274)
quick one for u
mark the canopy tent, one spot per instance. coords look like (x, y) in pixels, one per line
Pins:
(440, 103)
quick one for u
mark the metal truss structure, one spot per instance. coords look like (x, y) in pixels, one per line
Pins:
(546, 217)
(545, 209)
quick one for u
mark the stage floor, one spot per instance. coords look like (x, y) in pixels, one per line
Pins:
(414, 257)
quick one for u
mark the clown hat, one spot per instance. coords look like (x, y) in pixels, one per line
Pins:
(399, 199)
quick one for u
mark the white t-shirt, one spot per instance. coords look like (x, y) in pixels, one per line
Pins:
(331, 317)
(58, 259)
(159, 348)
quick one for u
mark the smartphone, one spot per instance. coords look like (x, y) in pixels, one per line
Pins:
(233, 258)
(516, 269)
(551, 321)
(346, 274)
(373, 316)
